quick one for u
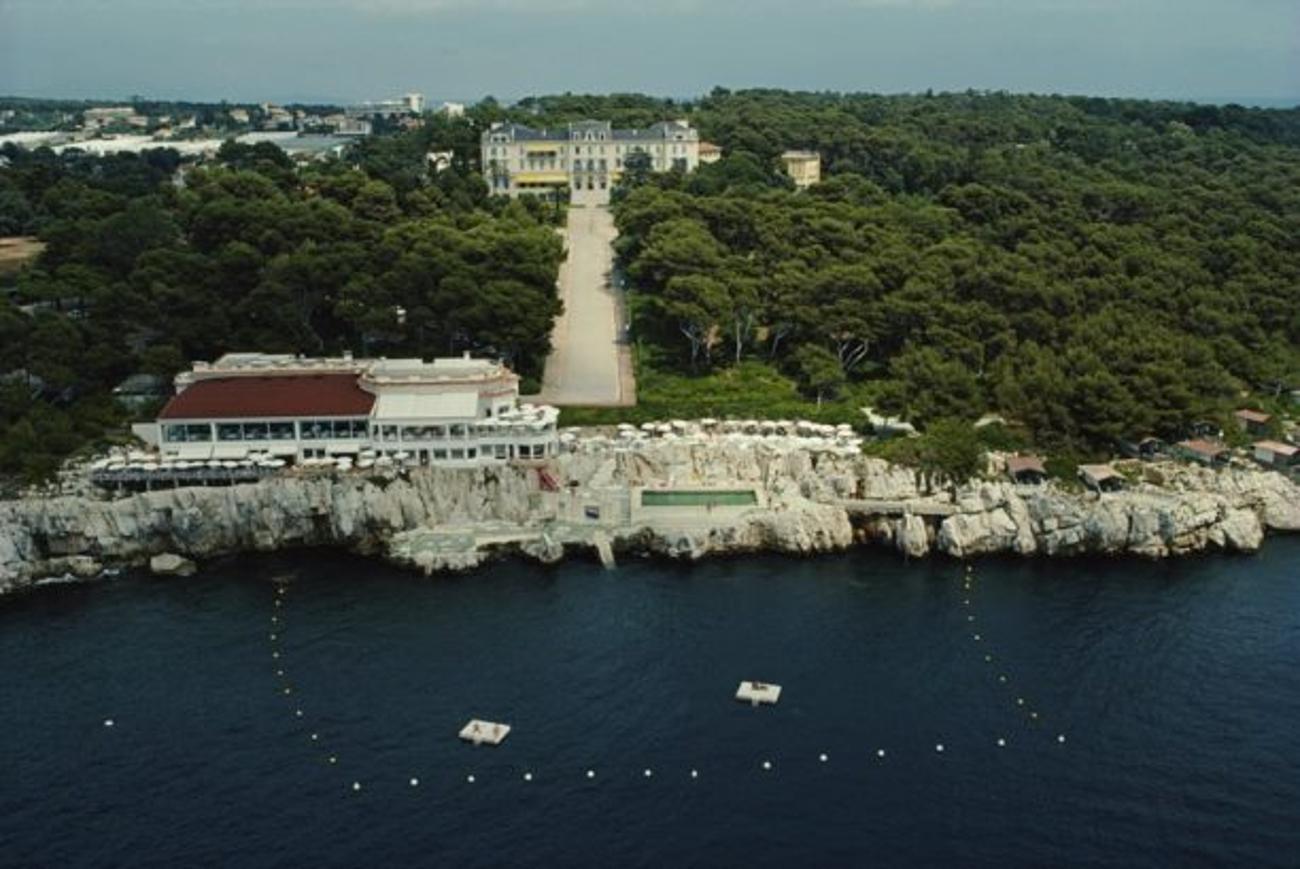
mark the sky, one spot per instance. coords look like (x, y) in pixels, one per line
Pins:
(352, 50)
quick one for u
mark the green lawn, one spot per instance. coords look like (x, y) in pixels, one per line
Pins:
(749, 390)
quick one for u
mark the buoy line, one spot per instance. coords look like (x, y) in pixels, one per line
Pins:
(530, 775)
(1021, 703)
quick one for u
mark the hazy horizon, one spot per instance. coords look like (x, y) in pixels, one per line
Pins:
(344, 51)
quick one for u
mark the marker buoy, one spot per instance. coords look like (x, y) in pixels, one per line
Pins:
(356, 786)
(288, 690)
(1002, 743)
(333, 759)
(275, 654)
(649, 773)
(108, 722)
(1033, 715)
(823, 758)
(767, 764)
(415, 782)
(591, 773)
(970, 618)
(977, 638)
(1002, 678)
(314, 737)
(470, 779)
(1061, 738)
(695, 773)
(297, 713)
(528, 776)
(880, 752)
(1020, 701)
(939, 748)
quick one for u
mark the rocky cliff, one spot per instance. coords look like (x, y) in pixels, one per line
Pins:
(442, 518)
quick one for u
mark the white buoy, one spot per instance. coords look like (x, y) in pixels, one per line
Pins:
(767, 764)
(939, 747)
(1061, 738)
(314, 737)
(470, 779)
(297, 713)
(356, 786)
(1020, 701)
(272, 636)
(880, 752)
(695, 773)
(333, 759)
(649, 773)
(1002, 678)
(977, 638)
(591, 773)
(1002, 743)
(528, 776)
(415, 782)
(823, 758)
(275, 654)
(279, 672)
(108, 722)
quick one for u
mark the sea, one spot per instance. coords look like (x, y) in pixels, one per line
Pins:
(303, 709)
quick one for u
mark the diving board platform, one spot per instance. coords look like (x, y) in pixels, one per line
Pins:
(755, 693)
(484, 732)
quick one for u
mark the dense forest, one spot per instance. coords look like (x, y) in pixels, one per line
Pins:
(1088, 268)
(147, 267)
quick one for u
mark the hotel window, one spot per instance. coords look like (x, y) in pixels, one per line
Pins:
(458, 454)
(501, 451)
(439, 454)
(389, 433)
(439, 431)
(316, 429)
(179, 433)
(230, 431)
(471, 453)
(282, 431)
(457, 430)
(256, 431)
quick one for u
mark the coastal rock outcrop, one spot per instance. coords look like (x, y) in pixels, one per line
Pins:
(452, 519)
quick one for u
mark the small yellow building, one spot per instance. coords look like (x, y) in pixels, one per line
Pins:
(803, 167)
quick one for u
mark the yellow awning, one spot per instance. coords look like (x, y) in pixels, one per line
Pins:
(541, 178)
(552, 148)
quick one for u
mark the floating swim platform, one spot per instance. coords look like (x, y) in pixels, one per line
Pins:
(755, 693)
(484, 732)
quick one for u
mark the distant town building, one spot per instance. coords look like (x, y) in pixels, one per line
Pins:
(141, 390)
(803, 167)
(584, 155)
(239, 116)
(414, 102)
(1101, 478)
(440, 160)
(105, 115)
(710, 153)
(456, 411)
(453, 110)
(353, 127)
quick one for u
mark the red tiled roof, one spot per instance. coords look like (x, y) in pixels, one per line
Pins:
(1019, 464)
(1278, 448)
(1205, 448)
(1253, 416)
(296, 395)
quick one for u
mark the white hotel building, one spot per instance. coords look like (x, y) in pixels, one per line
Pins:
(458, 411)
(584, 155)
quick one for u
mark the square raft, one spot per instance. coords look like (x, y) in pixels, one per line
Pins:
(484, 732)
(758, 692)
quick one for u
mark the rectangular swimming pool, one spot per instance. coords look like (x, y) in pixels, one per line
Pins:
(699, 498)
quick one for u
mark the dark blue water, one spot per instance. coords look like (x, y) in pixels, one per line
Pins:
(1176, 685)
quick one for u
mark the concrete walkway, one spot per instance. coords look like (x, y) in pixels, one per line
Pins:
(589, 364)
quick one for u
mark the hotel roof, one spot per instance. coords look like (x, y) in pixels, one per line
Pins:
(272, 396)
